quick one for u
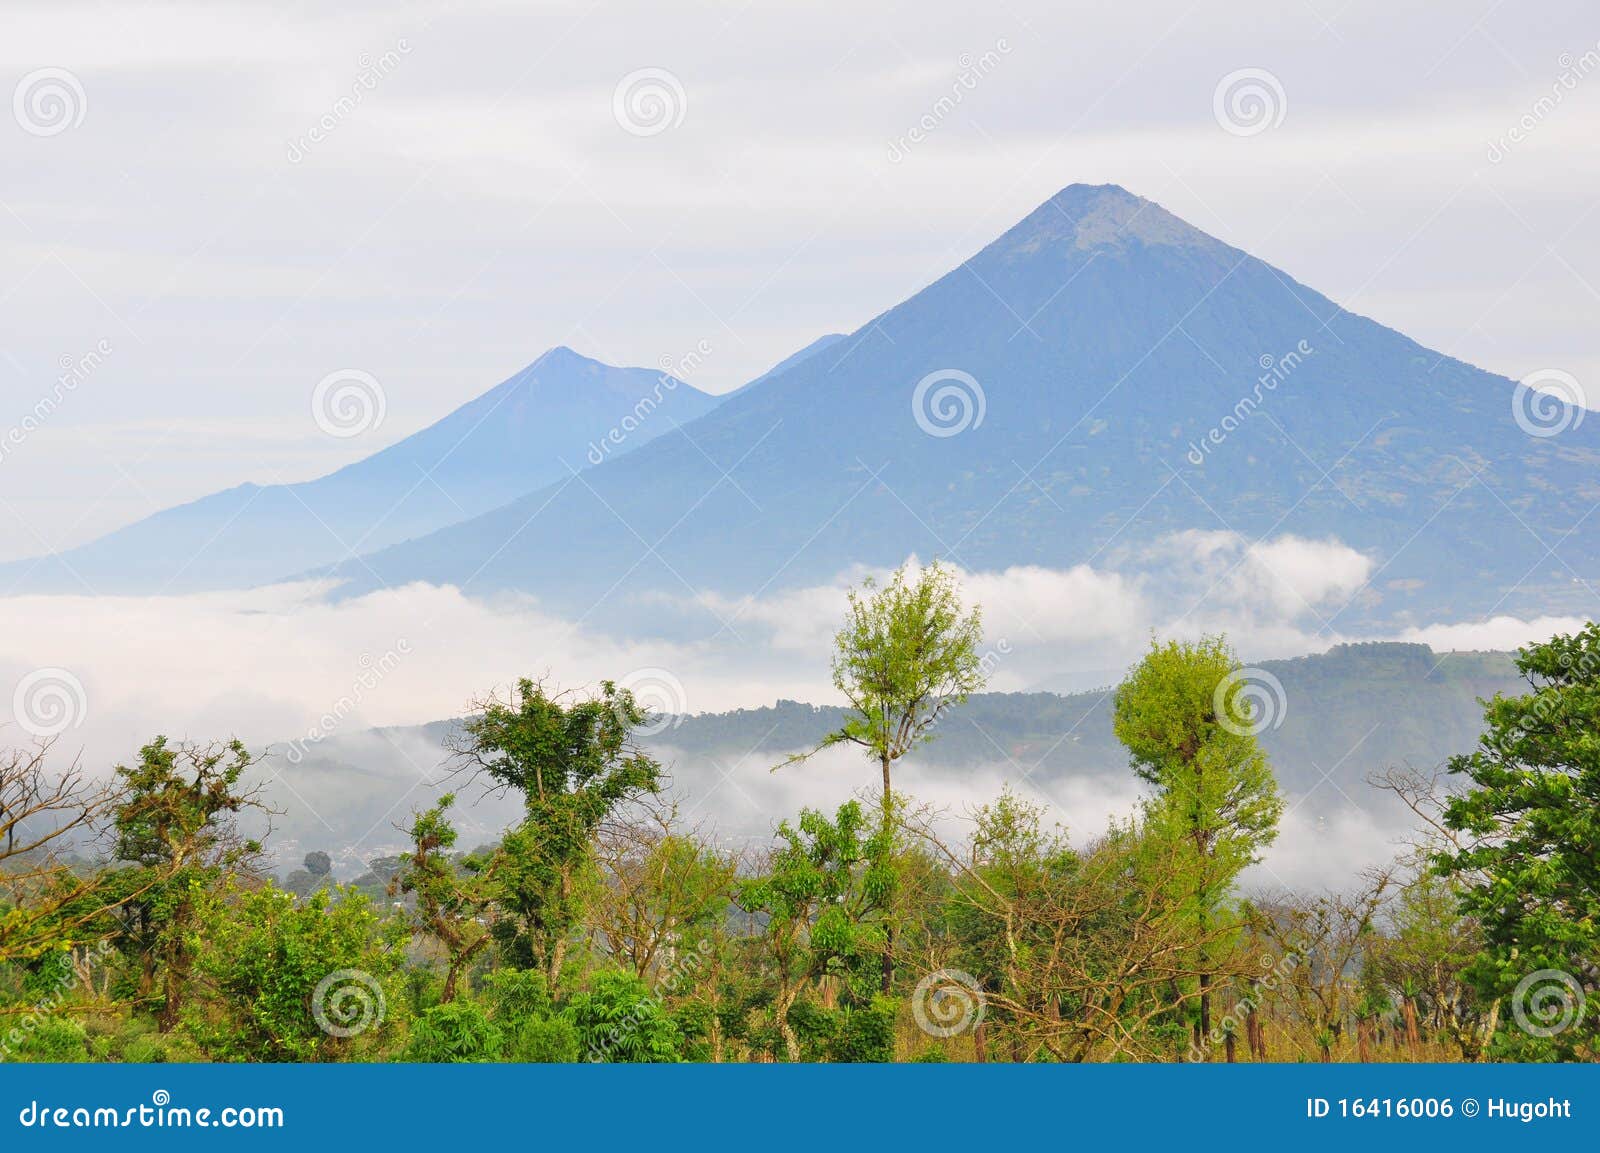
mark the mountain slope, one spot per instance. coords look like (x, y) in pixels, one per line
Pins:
(1352, 712)
(520, 435)
(1108, 339)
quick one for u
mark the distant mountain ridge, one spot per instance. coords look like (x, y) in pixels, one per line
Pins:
(1078, 360)
(556, 414)
(1345, 714)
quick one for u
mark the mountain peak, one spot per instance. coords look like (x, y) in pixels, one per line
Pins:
(1099, 218)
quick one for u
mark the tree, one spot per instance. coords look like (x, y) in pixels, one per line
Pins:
(907, 654)
(1529, 852)
(452, 897)
(287, 979)
(1185, 717)
(46, 905)
(574, 764)
(820, 894)
(175, 825)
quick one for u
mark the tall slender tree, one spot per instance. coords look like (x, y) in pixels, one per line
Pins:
(1185, 720)
(907, 654)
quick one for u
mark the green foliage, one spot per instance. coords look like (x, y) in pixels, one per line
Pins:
(907, 654)
(263, 954)
(1530, 855)
(574, 766)
(39, 1038)
(457, 1032)
(620, 1020)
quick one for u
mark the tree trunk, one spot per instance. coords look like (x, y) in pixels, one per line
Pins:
(888, 921)
(980, 1042)
(1230, 1048)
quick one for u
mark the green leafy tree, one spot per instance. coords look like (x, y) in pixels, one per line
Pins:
(574, 764)
(619, 1019)
(1185, 717)
(175, 825)
(291, 980)
(452, 896)
(1530, 861)
(822, 895)
(907, 654)
(458, 1032)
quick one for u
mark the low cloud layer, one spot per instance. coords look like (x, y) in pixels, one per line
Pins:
(286, 662)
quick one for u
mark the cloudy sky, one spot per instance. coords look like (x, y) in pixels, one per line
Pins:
(206, 209)
(219, 204)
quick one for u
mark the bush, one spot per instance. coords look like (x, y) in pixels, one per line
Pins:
(618, 1019)
(46, 1039)
(457, 1032)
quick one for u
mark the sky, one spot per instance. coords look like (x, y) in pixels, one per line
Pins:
(207, 209)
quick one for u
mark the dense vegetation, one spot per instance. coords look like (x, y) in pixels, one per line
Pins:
(138, 924)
